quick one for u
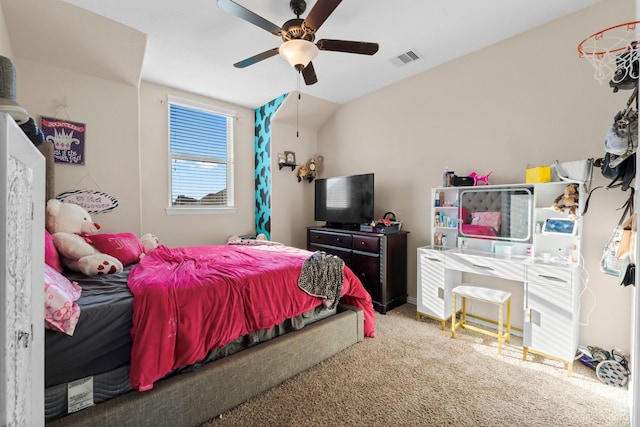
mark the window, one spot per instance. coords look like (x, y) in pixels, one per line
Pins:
(201, 156)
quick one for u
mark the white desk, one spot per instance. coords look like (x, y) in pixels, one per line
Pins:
(551, 294)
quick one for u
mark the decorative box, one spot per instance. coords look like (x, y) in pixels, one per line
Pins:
(538, 174)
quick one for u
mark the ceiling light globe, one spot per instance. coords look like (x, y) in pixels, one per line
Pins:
(298, 53)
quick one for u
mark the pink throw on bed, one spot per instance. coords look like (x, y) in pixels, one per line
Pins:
(190, 300)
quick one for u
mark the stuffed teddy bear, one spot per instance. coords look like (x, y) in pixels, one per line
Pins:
(76, 240)
(567, 200)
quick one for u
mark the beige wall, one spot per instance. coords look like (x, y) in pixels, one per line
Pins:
(529, 99)
(292, 201)
(112, 149)
(5, 45)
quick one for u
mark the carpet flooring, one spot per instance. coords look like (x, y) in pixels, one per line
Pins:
(414, 374)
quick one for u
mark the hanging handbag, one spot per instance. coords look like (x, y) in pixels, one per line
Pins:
(610, 263)
(628, 240)
(628, 276)
(577, 170)
(622, 138)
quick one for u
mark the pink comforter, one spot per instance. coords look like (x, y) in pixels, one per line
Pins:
(190, 300)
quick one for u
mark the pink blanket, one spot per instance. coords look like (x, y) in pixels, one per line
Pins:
(190, 300)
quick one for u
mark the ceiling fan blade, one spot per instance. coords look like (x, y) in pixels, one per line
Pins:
(363, 48)
(320, 12)
(309, 74)
(244, 13)
(257, 58)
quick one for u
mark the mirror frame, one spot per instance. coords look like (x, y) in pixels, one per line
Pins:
(509, 190)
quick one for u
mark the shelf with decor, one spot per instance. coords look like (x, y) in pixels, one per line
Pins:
(286, 165)
(444, 216)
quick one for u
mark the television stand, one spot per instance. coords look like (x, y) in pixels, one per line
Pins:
(378, 260)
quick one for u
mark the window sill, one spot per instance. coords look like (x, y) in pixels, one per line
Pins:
(200, 210)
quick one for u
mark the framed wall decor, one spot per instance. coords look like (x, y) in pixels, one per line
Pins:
(67, 138)
(290, 157)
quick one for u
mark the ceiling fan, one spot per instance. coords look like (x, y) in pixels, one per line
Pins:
(298, 35)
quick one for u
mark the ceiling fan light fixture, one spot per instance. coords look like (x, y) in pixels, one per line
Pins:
(298, 53)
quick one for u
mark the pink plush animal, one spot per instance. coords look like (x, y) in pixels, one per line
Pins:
(477, 178)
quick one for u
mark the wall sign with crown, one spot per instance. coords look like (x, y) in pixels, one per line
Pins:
(67, 138)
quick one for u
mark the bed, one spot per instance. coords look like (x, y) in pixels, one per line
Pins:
(188, 333)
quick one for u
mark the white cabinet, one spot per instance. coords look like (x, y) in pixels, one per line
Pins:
(551, 311)
(22, 169)
(434, 285)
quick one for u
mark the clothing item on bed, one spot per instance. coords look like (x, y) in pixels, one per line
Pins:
(321, 276)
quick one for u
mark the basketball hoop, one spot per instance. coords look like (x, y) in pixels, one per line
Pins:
(613, 52)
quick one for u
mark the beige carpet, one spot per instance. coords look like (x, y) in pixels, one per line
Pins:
(414, 374)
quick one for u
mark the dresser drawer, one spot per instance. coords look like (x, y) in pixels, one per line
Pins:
(551, 276)
(487, 266)
(340, 240)
(366, 244)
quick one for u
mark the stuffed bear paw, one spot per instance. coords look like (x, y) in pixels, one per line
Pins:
(99, 264)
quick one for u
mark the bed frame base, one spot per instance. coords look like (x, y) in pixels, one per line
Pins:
(192, 398)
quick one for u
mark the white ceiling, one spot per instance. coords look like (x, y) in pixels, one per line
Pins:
(192, 44)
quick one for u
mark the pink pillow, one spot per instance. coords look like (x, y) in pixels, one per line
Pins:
(51, 256)
(126, 247)
(490, 219)
(61, 312)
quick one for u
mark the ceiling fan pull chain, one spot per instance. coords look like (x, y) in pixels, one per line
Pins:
(298, 109)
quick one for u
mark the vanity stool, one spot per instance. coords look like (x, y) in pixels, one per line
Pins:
(492, 296)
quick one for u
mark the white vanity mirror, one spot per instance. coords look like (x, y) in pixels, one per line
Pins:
(504, 214)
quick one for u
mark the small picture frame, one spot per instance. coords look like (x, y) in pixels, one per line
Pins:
(290, 157)
(282, 158)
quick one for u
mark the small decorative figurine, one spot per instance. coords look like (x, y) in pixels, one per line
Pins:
(477, 178)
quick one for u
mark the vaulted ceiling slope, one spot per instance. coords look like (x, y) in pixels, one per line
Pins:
(193, 44)
(62, 35)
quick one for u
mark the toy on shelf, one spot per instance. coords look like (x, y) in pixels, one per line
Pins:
(568, 200)
(477, 178)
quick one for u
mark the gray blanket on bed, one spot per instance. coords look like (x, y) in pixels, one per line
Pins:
(322, 276)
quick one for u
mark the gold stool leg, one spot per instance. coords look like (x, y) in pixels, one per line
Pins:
(453, 316)
(509, 320)
(500, 331)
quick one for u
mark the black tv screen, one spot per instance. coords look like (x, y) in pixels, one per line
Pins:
(344, 200)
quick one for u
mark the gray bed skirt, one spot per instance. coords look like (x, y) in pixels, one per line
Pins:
(191, 398)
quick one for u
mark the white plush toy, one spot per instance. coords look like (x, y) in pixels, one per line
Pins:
(71, 226)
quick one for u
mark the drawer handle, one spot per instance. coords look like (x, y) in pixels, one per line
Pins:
(554, 278)
(433, 259)
(486, 267)
(363, 243)
(338, 239)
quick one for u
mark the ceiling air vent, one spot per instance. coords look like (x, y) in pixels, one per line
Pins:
(406, 58)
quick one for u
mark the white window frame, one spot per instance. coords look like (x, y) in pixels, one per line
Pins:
(207, 209)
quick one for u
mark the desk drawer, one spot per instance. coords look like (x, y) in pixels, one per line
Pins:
(487, 266)
(366, 244)
(340, 240)
(551, 276)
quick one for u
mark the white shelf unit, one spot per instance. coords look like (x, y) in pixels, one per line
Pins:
(444, 216)
(540, 244)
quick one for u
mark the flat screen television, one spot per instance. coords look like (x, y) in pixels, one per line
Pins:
(344, 201)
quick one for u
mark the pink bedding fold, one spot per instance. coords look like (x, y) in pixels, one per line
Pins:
(190, 300)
